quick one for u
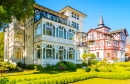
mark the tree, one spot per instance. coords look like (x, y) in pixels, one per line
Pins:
(85, 56)
(1, 46)
(20, 9)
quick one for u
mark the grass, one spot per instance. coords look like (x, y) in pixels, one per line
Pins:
(103, 81)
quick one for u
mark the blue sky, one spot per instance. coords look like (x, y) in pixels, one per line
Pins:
(116, 13)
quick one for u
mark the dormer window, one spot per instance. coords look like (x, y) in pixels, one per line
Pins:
(75, 16)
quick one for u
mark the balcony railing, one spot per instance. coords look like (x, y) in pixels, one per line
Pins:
(82, 44)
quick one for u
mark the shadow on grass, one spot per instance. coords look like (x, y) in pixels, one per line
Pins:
(42, 72)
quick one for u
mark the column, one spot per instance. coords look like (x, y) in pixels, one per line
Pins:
(55, 54)
(42, 42)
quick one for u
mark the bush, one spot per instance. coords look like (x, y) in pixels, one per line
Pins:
(103, 69)
(94, 62)
(19, 64)
(38, 67)
(61, 66)
(88, 69)
(84, 64)
(123, 64)
(30, 66)
(71, 66)
(78, 65)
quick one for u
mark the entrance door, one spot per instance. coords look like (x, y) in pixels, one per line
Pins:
(61, 54)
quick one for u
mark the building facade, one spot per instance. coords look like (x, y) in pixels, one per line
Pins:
(107, 44)
(47, 38)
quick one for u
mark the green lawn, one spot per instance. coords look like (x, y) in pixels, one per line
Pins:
(103, 81)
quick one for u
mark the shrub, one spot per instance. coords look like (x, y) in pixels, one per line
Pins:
(88, 69)
(38, 67)
(78, 65)
(30, 66)
(84, 64)
(61, 66)
(94, 62)
(103, 69)
(19, 64)
(71, 66)
(53, 67)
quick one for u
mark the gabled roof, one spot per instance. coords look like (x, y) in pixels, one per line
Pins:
(73, 10)
(118, 31)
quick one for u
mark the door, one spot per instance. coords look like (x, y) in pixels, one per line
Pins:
(61, 54)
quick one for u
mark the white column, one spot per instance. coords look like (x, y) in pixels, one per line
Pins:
(75, 56)
(42, 43)
(55, 54)
(66, 53)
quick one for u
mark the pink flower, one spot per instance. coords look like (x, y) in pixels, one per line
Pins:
(61, 67)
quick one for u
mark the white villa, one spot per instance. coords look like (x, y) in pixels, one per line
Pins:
(47, 38)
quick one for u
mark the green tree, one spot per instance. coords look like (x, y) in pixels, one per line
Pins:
(20, 9)
(1, 46)
(85, 56)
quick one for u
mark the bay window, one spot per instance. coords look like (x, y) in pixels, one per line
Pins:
(19, 36)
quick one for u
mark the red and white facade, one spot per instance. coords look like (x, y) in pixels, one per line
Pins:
(106, 44)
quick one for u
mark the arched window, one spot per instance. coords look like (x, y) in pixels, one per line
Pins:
(19, 36)
(38, 30)
(61, 53)
(71, 53)
(61, 32)
(18, 54)
(49, 29)
(71, 34)
(49, 52)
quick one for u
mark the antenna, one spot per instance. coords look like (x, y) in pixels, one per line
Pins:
(101, 12)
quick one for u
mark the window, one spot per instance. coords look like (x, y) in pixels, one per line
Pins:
(49, 52)
(126, 49)
(97, 44)
(85, 51)
(78, 55)
(92, 36)
(38, 52)
(108, 43)
(122, 54)
(38, 30)
(19, 36)
(108, 55)
(71, 34)
(97, 53)
(61, 32)
(18, 54)
(77, 17)
(48, 29)
(71, 53)
(77, 27)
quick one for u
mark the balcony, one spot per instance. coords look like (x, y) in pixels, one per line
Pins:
(82, 44)
(54, 39)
